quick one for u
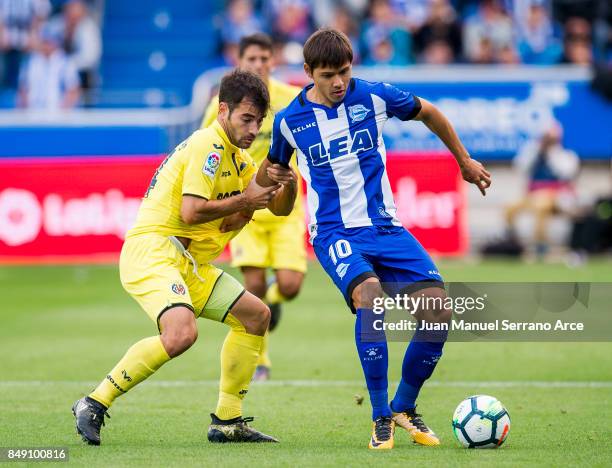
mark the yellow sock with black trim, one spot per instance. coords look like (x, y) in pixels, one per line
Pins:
(264, 356)
(239, 356)
(273, 295)
(138, 363)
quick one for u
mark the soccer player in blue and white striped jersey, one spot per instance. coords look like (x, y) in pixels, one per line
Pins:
(335, 127)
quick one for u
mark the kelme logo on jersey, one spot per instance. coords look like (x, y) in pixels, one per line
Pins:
(212, 163)
(342, 269)
(178, 288)
(358, 112)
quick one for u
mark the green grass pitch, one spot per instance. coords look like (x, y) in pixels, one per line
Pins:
(62, 328)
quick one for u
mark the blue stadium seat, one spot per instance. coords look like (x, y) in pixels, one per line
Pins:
(174, 28)
(196, 48)
(138, 73)
(8, 98)
(139, 9)
(157, 44)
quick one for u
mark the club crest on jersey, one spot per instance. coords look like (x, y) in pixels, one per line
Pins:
(383, 212)
(212, 163)
(178, 288)
(358, 112)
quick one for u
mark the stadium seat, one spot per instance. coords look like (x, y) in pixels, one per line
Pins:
(156, 44)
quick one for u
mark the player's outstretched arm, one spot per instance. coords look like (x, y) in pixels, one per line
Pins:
(276, 174)
(197, 210)
(471, 170)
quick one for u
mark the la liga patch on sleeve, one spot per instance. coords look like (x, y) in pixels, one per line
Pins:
(212, 163)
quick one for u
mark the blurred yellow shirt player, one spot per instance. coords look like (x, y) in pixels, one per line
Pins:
(268, 241)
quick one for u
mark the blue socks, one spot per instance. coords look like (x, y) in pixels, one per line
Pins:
(374, 358)
(420, 360)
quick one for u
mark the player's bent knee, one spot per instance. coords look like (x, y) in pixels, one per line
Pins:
(436, 309)
(289, 289)
(266, 316)
(366, 292)
(178, 330)
(443, 316)
(178, 340)
(289, 283)
(257, 322)
(252, 313)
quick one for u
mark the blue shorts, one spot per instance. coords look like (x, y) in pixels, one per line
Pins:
(391, 254)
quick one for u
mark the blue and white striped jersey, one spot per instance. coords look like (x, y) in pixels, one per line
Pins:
(341, 153)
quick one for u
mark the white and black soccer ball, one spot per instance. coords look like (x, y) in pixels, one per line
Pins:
(481, 421)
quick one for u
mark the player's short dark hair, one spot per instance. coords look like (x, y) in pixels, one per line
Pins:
(240, 84)
(327, 48)
(259, 39)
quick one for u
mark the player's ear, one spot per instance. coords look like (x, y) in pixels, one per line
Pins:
(223, 110)
(308, 71)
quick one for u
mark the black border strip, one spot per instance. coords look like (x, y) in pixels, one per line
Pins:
(235, 164)
(232, 305)
(194, 195)
(420, 285)
(286, 165)
(415, 110)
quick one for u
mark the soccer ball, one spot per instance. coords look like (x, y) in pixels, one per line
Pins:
(481, 421)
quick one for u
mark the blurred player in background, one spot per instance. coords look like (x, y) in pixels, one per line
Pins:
(551, 170)
(335, 124)
(268, 241)
(199, 198)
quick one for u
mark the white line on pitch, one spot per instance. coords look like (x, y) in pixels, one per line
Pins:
(330, 383)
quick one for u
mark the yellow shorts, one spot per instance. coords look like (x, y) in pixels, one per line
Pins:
(158, 276)
(278, 245)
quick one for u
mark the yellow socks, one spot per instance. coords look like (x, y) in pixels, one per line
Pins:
(139, 362)
(264, 357)
(273, 295)
(239, 356)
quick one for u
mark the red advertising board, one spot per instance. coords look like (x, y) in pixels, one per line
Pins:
(430, 198)
(78, 209)
(69, 209)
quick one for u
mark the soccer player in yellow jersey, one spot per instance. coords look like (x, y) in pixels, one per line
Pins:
(269, 241)
(199, 198)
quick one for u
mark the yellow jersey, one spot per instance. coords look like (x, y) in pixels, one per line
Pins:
(206, 165)
(281, 95)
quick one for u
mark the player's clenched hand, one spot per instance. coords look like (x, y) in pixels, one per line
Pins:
(475, 173)
(235, 221)
(282, 175)
(258, 197)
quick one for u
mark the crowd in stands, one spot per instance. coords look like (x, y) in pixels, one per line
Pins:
(404, 32)
(50, 51)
